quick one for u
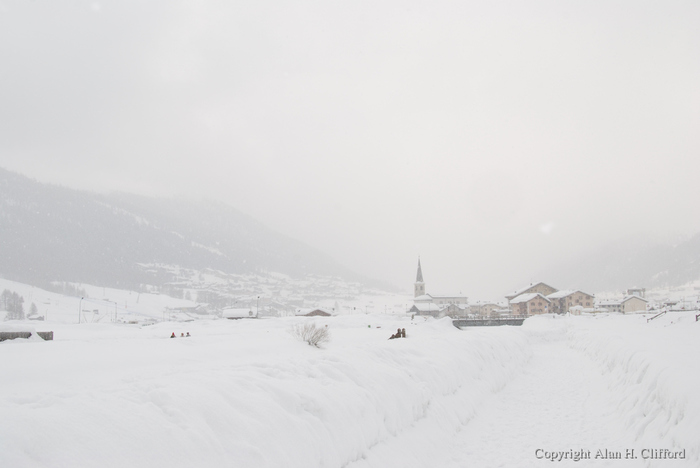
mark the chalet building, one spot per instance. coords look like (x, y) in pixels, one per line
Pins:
(540, 288)
(277, 309)
(312, 313)
(562, 301)
(629, 304)
(485, 309)
(501, 312)
(427, 308)
(318, 313)
(530, 304)
(611, 306)
(578, 310)
(446, 299)
(456, 310)
(436, 305)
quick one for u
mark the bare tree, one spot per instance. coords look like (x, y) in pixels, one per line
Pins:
(310, 333)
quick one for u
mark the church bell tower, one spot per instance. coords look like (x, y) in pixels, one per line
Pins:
(419, 286)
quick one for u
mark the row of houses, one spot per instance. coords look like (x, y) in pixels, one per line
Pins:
(543, 299)
(244, 313)
(534, 299)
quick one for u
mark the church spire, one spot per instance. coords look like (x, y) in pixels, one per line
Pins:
(419, 276)
(419, 286)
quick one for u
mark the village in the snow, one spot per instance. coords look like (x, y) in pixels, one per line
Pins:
(197, 295)
(270, 371)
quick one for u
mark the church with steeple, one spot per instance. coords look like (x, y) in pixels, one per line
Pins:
(436, 305)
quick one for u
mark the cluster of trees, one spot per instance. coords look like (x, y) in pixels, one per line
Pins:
(65, 288)
(13, 303)
(215, 300)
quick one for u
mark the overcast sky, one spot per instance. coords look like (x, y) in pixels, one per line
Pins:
(490, 138)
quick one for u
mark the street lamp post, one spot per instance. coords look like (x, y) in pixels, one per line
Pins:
(257, 307)
(80, 308)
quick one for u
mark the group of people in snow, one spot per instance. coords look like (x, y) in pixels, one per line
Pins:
(182, 335)
(400, 333)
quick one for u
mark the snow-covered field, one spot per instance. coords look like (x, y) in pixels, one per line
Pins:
(98, 305)
(248, 393)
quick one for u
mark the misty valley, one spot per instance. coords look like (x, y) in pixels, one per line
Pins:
(446, 234)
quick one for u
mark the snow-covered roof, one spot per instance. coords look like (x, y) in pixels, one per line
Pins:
(522, 290)
(313, 311)
(424, 297)
(565, 292)
(427, 307)
(633, 296)
(560, 294)
(445, 296)
(485, 303)
(237, 313)
(527, 297)
(621, 301)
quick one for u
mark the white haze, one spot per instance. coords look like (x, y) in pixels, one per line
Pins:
(490, 138)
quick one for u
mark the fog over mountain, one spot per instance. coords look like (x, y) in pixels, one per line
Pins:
(492, 139)
(50, 233)
(629, 263)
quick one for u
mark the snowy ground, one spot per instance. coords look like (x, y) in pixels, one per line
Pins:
(99, 305)
(249, 394)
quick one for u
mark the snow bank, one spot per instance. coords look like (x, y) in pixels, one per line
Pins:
(18, 326)
(246, 393)
(654, 373)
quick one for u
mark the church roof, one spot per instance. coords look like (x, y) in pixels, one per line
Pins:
(447, 296)
(424, 298)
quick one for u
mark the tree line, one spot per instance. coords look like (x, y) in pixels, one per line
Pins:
(13, 303)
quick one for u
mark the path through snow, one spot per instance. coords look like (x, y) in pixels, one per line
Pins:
(559, 403)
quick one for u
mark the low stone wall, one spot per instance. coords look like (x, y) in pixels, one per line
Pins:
(459, 323)
(47, 336)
